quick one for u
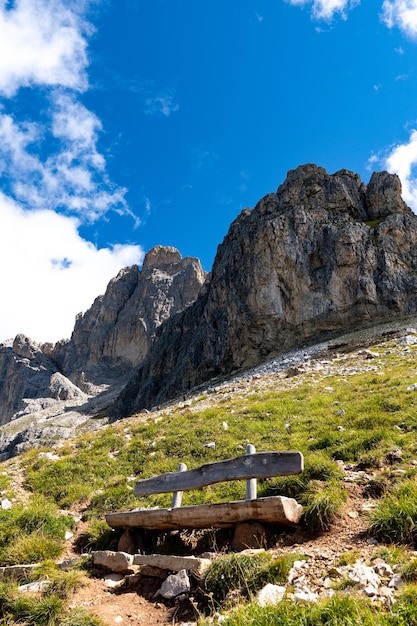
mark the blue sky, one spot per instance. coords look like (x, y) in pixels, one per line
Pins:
(128, 124)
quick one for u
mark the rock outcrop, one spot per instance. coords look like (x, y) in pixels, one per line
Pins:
(108, 341)
(114, 335)
(325, 253)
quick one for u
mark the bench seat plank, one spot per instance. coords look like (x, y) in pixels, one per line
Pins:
(277, 510)
(260, 465)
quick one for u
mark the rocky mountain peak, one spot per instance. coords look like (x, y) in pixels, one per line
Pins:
(161, 256)
(311, 187)
(322, 254)
(25, 347)
(107, 342)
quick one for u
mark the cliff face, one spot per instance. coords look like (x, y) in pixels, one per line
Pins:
(108, 341)
(322, 254)
(114, 335)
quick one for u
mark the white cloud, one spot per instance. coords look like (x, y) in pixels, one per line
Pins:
(326, 9)
(73, 177)
(53, 177)
(41, 42)
(401, 13)
(402, 160)
(49, 273)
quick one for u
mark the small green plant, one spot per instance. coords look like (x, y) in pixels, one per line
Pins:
(80, 617)
(404, 611)
(394, 520)
(32, 532)
(392, 554)
(47, 611)
(409, 570)
(64, 584)
(32, 549)
(322, 503)
(343, 583)
(245, 573)
(348, 558)
(341, 610)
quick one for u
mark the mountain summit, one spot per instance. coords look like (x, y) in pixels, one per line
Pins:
(324, 254)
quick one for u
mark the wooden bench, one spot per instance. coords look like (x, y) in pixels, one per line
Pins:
(276, 510)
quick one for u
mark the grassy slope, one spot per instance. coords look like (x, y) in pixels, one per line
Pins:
(346, 407)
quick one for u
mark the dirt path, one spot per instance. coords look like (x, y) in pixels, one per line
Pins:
(126, 608)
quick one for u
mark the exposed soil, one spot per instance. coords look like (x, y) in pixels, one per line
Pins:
(130, 607)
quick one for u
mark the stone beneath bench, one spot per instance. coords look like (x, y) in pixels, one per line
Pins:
(123, 562)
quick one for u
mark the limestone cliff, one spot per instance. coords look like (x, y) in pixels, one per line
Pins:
(324, 253)
(114, 335)
(108, 341)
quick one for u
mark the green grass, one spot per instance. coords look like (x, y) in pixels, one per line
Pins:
(322, 503)
(32, 532)
(358, 418)
(49, 607)
(395, 518)
(359, 415)
(244, 572)
(341, 610)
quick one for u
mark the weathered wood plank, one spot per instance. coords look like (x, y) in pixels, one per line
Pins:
(261, 465)
(277, 510)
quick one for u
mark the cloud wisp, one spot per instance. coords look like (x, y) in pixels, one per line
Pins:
(401, 14)
(42, 42)
(402, 160)
(53, 176)
(73, 178)
(326, 9)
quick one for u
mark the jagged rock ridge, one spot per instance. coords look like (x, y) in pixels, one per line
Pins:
(323, 254)
(108, 341)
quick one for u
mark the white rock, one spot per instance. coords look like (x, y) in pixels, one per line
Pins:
(6, 504)
(68, 535)
(48, 455)
(382, 568)
(270, 595)
(396, 581)
(38, 586)
(305, 596)
(295, 570)
(211, 445)
(370, 591)
(113, 580)
(364, 575)
(175, 585)
(408, 340)
(114, 561)
(387, 595)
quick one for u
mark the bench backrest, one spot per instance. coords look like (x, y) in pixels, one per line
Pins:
(246, 467)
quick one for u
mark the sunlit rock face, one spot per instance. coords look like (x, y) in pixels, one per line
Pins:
(116, 332)
(325, 253)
